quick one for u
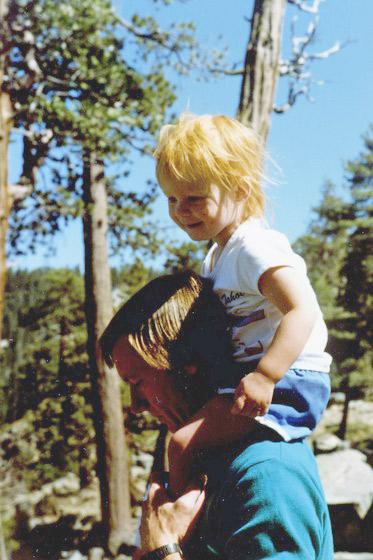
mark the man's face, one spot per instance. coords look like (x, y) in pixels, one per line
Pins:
(151, 389)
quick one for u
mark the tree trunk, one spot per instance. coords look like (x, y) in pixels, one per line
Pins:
(261, 65)
(112, 463)
(341, 433)
(5, 199)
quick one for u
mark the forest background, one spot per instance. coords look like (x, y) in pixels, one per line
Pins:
(89, 87)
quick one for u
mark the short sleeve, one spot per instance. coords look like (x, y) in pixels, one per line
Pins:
(257, 255)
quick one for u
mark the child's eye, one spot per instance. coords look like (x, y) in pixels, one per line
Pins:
(171, 199)
(195, 199)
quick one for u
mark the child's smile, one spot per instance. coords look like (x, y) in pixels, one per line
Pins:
(204, 214)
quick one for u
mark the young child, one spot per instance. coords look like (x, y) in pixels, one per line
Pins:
(211, 170)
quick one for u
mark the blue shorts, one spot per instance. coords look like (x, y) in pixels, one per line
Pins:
(299, 401)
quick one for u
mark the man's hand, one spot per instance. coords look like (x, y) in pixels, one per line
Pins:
(165, 522)
(253, 395)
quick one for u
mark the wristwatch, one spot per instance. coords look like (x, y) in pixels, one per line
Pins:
(162, 552)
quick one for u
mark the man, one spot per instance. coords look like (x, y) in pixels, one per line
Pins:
(265, 499)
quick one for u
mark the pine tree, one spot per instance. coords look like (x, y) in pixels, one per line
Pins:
(338, 250)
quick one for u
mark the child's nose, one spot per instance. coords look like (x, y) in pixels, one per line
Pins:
(182, 208)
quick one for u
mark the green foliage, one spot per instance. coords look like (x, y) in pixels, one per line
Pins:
(45, 392)
(129, 279)
(47, 378)
(185, 256)
(338, 250)
(82, 79)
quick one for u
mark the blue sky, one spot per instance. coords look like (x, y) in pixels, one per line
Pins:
(309, 143)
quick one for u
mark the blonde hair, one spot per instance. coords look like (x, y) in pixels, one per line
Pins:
(213, 149)
(173, 321)
(155, 336)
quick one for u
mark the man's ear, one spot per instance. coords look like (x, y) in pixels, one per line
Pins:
(190, 369)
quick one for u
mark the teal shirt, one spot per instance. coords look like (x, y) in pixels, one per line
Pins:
(265, 502)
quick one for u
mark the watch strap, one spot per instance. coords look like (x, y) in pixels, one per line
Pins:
(162, 552)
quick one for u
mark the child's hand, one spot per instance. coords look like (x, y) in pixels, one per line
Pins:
(253, 395)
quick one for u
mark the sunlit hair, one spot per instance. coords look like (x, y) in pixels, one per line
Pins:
(213, 149)
(173, 321)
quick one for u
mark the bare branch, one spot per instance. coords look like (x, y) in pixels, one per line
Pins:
(227, 71)
(19, 192)
(292, 97)
(302, 5)
(330, 51)
(296, 67)
(155, 36)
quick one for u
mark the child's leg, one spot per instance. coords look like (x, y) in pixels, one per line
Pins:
(213, 425)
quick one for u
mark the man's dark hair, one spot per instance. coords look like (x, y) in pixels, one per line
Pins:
(173, 321)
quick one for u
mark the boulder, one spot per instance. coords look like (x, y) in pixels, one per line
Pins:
(139, 475)
(337, 398)
(347, 479)
(59, 499)
(348, 485)
(138, 482)
(96, 553)
(326, 443)
(353, 556)
(69, 484)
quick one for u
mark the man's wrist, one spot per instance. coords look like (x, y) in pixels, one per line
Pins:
(167, 551)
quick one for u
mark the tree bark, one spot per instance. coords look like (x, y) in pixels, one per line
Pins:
(5, 199)
(341, 433)
(261, 65)
(112, 462)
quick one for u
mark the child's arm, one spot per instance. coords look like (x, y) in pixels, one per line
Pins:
(211, 426)
(286, 289)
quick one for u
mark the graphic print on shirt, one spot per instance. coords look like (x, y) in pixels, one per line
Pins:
(257, 315)
(233, 296)
(237, 323)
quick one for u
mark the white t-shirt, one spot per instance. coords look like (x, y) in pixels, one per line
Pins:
(251, 250)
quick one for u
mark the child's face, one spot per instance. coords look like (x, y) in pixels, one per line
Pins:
(204, 214)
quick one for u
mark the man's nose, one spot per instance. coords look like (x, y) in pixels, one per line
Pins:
(138, 402)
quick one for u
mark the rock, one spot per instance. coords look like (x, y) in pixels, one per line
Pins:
(348, 484)
(337, 397)
(145, 460)
(96, 553)
(139, 478)
(76, 555)
(353, 556)
(69, 484)
(57, 500)
(139, 475)
(347, 479)
(326, 443)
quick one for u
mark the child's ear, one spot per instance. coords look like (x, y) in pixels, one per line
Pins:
(190, 369)
(241, 194)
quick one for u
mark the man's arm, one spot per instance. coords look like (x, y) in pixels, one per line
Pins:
(167, 522)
